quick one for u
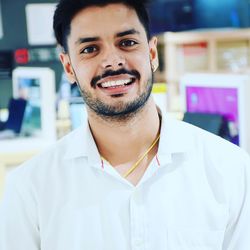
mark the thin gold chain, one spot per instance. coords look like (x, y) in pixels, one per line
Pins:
(140, 159)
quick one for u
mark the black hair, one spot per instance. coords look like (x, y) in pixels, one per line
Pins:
(67, 9)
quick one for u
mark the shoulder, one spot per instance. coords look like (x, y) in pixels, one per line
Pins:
(224, 166)
(214, 151)
(48, 162)
(200, 144)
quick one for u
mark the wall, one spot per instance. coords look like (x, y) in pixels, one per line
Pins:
(15, 36)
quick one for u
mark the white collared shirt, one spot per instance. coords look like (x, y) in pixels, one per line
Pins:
(195, 195)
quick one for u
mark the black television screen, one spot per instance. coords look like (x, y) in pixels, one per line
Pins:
(223, 13)
(171, 15)
(179, 15)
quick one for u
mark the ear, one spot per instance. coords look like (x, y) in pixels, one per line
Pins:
(65, 60)
(153, 53)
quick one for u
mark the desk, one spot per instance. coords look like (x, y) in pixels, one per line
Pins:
(13, 152)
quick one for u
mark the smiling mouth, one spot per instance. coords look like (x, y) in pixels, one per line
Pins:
(116, 84)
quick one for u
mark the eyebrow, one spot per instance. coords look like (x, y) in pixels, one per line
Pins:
(87, 40)
(127, 32)
(96, 38)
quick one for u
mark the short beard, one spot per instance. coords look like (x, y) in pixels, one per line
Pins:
(120, 112)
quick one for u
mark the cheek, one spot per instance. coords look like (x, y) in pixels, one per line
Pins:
(84, 73)
(140, 62)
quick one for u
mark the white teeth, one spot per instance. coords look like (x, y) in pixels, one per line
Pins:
(115, 83)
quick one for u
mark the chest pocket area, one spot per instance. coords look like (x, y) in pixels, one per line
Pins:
(194, 239)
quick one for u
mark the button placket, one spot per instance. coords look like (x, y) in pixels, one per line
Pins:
(137, 221)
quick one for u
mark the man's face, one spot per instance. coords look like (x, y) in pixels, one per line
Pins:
(110, 58)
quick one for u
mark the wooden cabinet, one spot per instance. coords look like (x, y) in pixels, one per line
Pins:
(215, 50)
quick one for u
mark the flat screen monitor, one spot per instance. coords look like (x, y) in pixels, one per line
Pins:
(37, 86)
(216, 100)
(29, 89)
(220, 94)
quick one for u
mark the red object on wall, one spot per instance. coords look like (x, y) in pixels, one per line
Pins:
(21, 56)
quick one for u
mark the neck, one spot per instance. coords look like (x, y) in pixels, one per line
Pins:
(122, 142)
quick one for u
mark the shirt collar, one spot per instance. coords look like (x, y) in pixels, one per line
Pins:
(81, 144)
(173, 141)
(173, 136)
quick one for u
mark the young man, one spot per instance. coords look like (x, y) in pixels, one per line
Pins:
(130, 177)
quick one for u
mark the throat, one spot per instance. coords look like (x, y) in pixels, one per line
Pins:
(134, 171)
(129, 147)
(134, 175)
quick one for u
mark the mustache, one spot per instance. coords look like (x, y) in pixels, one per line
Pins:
(108, 73)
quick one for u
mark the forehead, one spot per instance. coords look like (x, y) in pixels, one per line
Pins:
(108, 19)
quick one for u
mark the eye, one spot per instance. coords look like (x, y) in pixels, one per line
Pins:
(128, 43)
(89, 50)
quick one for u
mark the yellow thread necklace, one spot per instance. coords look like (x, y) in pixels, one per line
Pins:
(140, 159)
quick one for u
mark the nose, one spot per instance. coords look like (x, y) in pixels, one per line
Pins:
(112, 59)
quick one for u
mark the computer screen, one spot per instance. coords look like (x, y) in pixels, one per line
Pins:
(179, 15)
(29, 89)
(221, 94)
(37, 86)
(215, 100)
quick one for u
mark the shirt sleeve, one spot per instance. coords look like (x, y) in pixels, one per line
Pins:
(237, 234)
(18, 220)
